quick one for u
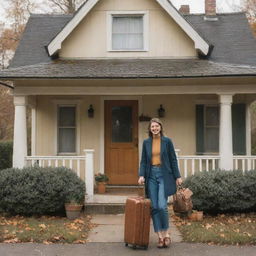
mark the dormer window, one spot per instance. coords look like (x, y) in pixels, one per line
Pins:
(127, 31)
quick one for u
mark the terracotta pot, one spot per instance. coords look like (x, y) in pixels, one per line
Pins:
(101, 187)
(73, 210)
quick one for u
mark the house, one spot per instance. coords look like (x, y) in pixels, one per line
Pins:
(92, 79)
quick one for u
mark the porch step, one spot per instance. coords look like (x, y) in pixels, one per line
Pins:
(112, 202)
(123, 190)
(104, 208)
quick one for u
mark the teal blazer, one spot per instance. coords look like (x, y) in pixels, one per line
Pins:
(169, 164)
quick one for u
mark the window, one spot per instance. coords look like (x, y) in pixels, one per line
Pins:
(127, 31)
(207, 129)
(67, 129)
(211, 128)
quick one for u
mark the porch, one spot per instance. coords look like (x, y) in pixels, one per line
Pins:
(83, 166)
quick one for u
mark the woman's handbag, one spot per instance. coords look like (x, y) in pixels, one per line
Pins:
(182, 201)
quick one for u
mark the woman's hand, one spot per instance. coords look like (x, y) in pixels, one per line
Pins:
(141, 180)
(178, 181)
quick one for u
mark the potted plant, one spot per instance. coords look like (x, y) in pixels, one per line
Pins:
(101, 181)
(74, 205)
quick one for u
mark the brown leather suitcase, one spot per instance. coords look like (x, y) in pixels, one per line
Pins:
(137, 222)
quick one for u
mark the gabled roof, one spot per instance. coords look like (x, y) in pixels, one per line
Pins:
(128, 69)
(200, 43)
(231, 36)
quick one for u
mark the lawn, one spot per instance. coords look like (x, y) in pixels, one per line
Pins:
(44, 229)
(238, 229)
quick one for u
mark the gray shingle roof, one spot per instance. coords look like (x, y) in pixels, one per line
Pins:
(39, 31)
(231, 36)
(128, 68)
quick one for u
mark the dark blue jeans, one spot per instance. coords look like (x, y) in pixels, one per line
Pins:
(159, 210)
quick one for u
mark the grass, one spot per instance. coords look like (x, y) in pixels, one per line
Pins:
(44, 229)
(239, 229)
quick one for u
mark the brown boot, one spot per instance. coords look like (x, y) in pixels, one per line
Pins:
(160, 243)
(167, 241)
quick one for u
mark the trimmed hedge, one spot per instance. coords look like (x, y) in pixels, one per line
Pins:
(39, 191)
(223, 191)
(5, 155)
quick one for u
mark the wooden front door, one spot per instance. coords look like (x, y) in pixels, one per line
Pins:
(121, 141)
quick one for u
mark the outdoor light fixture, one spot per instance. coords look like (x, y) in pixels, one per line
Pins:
(90, 111)
(161, 111)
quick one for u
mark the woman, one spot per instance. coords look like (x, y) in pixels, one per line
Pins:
(160, 173)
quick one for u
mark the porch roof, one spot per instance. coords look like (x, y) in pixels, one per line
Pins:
(128, 68)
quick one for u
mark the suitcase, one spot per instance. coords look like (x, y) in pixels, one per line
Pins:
(137, 222)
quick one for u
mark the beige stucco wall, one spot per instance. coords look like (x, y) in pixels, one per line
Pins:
(179, 122)
(89, 38)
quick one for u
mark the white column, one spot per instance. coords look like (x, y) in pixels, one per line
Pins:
(89, 174)
(20, 132)
(225, 139)
(248, 130)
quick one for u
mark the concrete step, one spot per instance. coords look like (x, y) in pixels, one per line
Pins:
(104, 208)
(112, 202)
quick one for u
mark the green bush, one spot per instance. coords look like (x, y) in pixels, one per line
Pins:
(223, 191)
(38, 191)
(5, 155)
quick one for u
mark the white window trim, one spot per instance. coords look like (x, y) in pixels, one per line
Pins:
(64, 103)
(144, 15)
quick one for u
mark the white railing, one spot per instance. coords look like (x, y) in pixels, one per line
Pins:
(244, 163)
(82, 165)
(189, 165)
(75, 163)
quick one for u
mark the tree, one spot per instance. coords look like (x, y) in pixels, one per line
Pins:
(65, 6)
(250, 8)
(6, 114)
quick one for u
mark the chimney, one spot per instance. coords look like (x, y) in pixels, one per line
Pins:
(184, 9)
(210, 8)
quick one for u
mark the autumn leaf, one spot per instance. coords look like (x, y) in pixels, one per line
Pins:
(79, 242)
(11, 241)
(42, 226)
(207, 226)
(79, 221)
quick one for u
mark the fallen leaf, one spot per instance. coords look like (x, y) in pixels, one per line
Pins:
(79, 242)
(207, 226)
(42, 226)
(11, 241)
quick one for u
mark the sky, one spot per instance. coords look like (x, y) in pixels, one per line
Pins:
(196, 6)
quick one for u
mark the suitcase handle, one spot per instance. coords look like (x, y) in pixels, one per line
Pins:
(142, 191)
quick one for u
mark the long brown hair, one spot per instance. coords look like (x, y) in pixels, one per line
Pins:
(155, 120)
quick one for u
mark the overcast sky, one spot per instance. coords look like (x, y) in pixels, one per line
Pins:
(196, 6)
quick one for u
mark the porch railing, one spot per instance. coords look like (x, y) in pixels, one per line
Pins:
(244, 163)
(84, 165)
(189, 165)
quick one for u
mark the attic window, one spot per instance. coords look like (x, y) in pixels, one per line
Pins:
(128, 32)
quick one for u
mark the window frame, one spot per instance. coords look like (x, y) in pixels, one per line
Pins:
(143, 14)
(205, 126)
(67, 102)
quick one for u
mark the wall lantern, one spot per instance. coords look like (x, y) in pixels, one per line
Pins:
(90, 111)
(161, 111)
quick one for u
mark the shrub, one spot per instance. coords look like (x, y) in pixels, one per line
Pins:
(223, 191)
(5, 155)
(38, 191)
